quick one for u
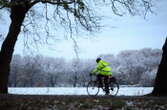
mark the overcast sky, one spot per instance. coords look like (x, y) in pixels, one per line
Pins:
(121, 33)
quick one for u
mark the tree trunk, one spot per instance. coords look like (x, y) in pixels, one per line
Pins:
(17, 16)
(160, 87)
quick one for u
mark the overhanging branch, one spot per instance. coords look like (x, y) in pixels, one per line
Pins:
(56, 2)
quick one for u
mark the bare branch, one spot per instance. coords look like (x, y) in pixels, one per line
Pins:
(57, 2)
(73, 16)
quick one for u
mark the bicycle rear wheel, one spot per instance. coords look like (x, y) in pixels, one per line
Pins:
(114, 88)
(92, 88)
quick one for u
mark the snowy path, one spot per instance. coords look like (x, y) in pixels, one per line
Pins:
(128, 91)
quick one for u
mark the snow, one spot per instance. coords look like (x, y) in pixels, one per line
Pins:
(128, 91)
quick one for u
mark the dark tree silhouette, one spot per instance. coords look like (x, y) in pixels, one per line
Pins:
(160, 87)
(7, 48)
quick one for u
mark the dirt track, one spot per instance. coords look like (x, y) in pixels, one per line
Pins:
(48, 102)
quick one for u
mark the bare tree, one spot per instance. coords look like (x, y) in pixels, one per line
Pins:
(18, 10)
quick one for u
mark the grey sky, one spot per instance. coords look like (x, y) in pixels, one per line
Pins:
(120, 33)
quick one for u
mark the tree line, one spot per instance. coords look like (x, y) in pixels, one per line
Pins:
(130, 67)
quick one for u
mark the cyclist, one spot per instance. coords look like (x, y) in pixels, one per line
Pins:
(103, 72)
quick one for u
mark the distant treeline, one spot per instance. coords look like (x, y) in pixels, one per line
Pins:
(131, 67)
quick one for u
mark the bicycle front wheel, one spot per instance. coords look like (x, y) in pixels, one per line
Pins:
(92, 88)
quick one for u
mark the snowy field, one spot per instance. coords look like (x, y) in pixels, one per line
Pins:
(128, 91)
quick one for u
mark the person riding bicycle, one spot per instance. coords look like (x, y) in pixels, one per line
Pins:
(103, 72)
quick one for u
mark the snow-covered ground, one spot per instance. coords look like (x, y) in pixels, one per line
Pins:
(128, 91)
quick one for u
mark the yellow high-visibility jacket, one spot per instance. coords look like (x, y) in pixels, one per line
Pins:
(102, 68)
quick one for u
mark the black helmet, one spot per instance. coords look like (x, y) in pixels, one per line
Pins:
(98, 59)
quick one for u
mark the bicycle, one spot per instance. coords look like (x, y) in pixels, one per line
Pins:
(93, 87)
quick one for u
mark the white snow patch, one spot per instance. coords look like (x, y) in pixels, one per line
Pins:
(128, 91)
